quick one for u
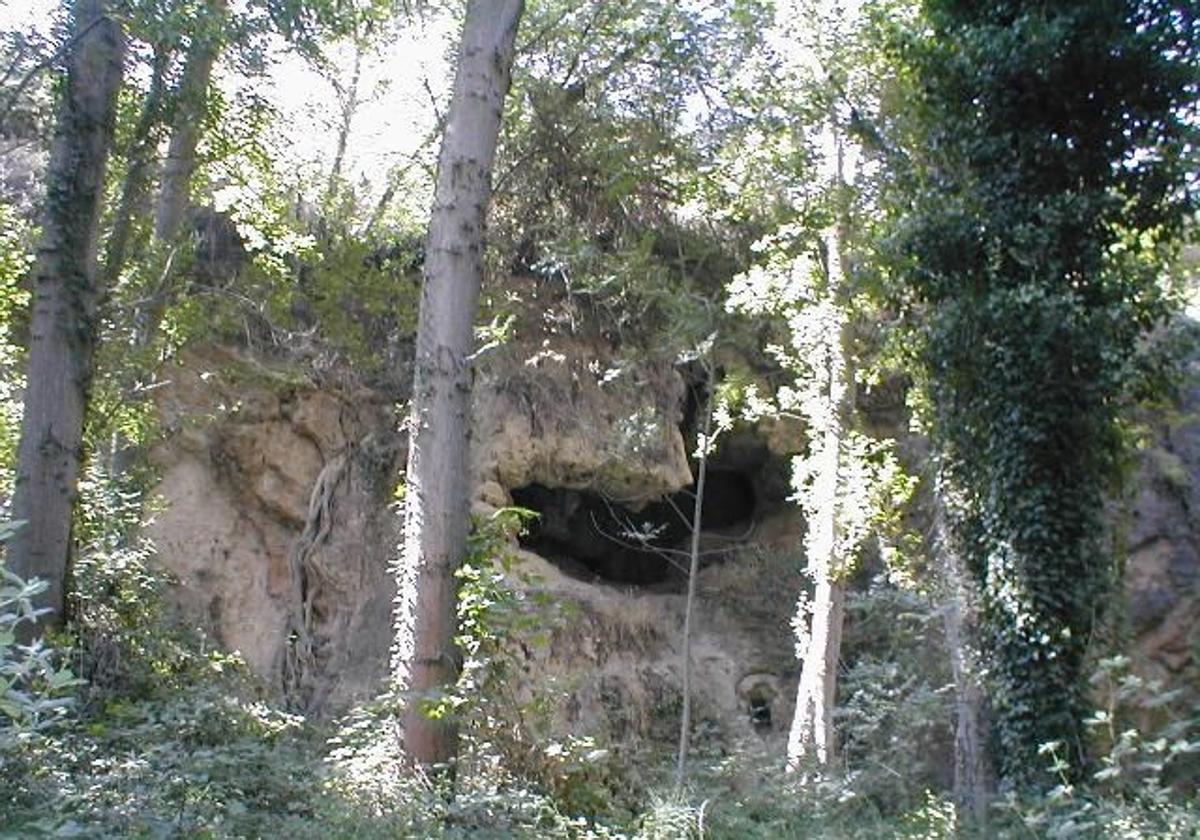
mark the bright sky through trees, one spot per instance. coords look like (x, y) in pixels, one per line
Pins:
(404, 83)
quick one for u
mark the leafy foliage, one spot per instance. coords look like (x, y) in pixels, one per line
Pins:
(14, 262)
(1039, 165)
(896, 718)
(34, 684)
(615, 113)
(1044, 182)
(1130, 793)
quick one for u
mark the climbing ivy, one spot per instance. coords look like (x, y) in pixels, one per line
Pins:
(15, 260)
(1043, 187)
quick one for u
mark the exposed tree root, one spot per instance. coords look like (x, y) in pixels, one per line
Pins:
(300, 654)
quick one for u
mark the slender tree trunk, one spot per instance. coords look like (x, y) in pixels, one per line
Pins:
(972, 776)
(812, 736)
(685, 722)
(186, 112)
(62, 329)
(191, 103)
(140, 160)
(436, 510)
(174, 194)
(348, 100)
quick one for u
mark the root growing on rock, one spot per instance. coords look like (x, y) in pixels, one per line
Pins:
(300, 652)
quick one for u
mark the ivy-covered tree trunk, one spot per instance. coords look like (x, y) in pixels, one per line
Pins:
(812, 736)
(819, 621)
(436, 502)
(62, 328)
(972, 765)
(1049, 178)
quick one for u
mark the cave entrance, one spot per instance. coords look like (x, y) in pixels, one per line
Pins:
(760, 713)
(759, 692)
(730, 501)
(595, 538)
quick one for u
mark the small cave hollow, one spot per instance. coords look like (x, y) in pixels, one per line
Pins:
(760, 713)
(595, 538)
(758, 692)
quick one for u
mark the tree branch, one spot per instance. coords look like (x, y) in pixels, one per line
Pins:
(11, 102)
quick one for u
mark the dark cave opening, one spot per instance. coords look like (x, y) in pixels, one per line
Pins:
(760, 713)
(595, 538)
(729, 500)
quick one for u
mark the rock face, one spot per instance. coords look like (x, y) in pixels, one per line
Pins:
(278, 521)
(616, 660)
(565, 414)
(1162, 574)
(245, 448)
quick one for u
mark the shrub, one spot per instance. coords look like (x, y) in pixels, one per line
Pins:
(34, 686)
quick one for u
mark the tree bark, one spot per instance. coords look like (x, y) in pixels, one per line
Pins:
(191, 102)
(972, 768)
(186, 117)
(436, 512)
(140, 161)
(812, 737)
(348, 105)
(174, 193)
(812, 734)
(62, 327)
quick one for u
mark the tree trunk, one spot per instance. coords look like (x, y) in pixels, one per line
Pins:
(972, 776)
(812, 736)
(436, 510)
(191, 103)
(62, 326)
(685, 721)
(139, 164)
(348, 105)
(186, 112)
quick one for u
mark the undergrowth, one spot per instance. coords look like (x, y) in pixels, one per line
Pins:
(169, 737)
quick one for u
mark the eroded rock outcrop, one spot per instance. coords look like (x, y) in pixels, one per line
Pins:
(568, 414)
(279, 521)
(1162, 573)
(245, 446)
(279, 524)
